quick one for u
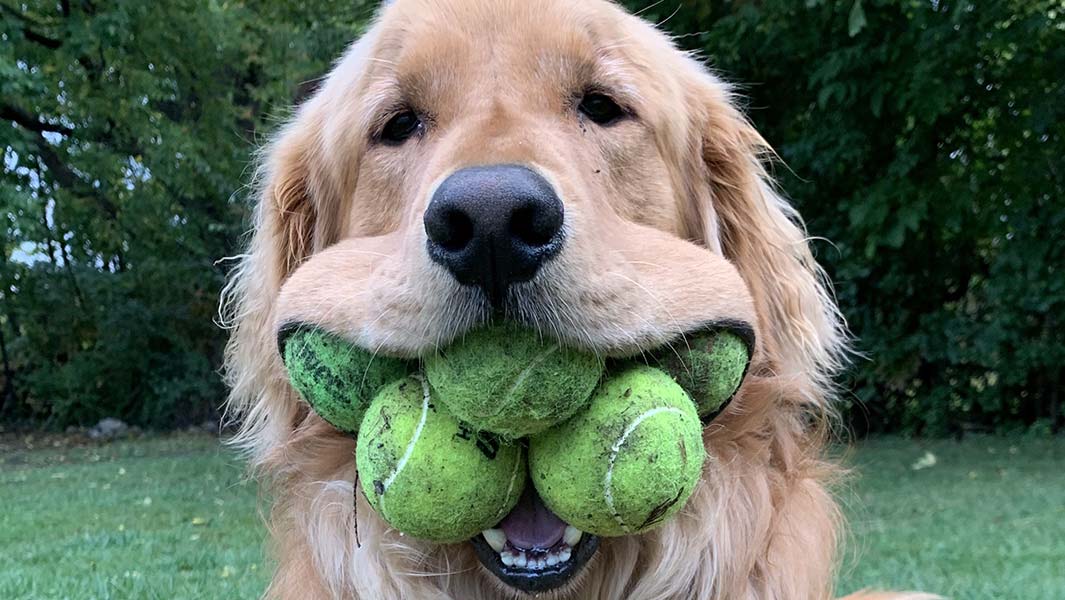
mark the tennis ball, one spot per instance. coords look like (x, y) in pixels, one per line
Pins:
(626, 463)
(709, 366)
(507, 380)
(428, 475)
(337, 378)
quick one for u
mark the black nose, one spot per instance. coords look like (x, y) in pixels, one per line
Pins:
(493, 226)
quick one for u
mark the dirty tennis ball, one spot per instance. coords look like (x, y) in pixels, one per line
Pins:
(709, 366)
(508, 380)
(428, 475)
(337, 378)
(626, 463)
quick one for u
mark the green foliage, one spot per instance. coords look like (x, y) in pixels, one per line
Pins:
(126, 130)
(925, 140)
(922, 137)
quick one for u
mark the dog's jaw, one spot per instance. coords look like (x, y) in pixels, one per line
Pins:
(532, 550)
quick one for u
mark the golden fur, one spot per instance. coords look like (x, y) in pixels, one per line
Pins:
(672, 222)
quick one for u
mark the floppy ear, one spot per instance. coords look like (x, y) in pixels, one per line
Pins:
(300, 197)
(801, 328)
(284, 226)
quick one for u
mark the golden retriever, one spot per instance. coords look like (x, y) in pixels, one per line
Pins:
(644, 212)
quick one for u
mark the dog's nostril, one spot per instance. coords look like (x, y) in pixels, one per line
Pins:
(456, 231)
(535, 226)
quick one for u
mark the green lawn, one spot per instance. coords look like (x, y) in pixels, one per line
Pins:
(170, 517)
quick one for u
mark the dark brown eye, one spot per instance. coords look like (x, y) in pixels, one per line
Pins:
(401, 127)
(600, 108)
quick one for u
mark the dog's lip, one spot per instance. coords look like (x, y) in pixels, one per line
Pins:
(542, 580)
(532, 530)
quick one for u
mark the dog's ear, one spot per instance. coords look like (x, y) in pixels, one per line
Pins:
(285, 231)
(299, 203)
(756, 229)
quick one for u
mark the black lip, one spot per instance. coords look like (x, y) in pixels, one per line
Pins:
(544, 579)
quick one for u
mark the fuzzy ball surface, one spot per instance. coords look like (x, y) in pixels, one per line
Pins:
(337, 378)
(507, 380)
(709, 366)
(428, 475)
(626, 463)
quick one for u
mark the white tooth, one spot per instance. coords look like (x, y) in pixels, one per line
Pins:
(520, 561)
(572, 535)
(552, 559)
(564, 555)
(495, 538)
(507, 558)
(541, 563)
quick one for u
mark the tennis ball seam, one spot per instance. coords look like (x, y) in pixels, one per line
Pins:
(410, 445)
(615, 449)
(520, 379)
(513, 480)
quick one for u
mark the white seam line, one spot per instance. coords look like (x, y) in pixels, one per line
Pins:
(527, 370)
(414, 438)
(513, 478)
(608, 492)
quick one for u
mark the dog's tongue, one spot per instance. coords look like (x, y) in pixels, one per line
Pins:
(531, 524)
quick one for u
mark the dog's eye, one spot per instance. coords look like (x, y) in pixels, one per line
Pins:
(600, 108)
(401, 127)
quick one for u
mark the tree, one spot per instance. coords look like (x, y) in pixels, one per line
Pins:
(127, 129)
(924, 139)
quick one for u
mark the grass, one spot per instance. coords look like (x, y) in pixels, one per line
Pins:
(170, 517)
(165, 517)
(986, 521)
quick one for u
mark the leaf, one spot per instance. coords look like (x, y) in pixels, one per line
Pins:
(925, 462)
(876, 104)
(856, 22)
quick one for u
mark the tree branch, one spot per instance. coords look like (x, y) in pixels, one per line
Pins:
(28, 121)
(28, 32)
(45, 41)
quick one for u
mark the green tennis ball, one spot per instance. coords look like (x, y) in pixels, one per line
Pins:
(626, 463)
(337, 378)
(429, 476)
(507, 380)
(709, 366)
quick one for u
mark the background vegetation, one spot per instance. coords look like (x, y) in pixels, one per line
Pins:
(924, 138)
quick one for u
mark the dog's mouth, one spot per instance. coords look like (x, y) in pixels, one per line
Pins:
(533, 550)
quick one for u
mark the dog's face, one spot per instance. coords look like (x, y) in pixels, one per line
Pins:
(555, 163)
(517, 157)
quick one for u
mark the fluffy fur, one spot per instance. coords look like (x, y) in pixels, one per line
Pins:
(671, 221)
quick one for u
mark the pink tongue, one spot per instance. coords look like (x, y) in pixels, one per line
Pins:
(531, 524)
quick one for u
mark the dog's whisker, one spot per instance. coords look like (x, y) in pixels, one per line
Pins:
(676, 325)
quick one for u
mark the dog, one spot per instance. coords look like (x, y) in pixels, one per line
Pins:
(562, 165)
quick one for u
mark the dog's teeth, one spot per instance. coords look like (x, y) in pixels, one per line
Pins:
(495, 538)
(564, 555)
(520, 561)
(552, 559)
(572, 535)
(507, 558)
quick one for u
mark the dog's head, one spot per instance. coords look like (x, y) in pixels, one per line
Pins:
(555, 163)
